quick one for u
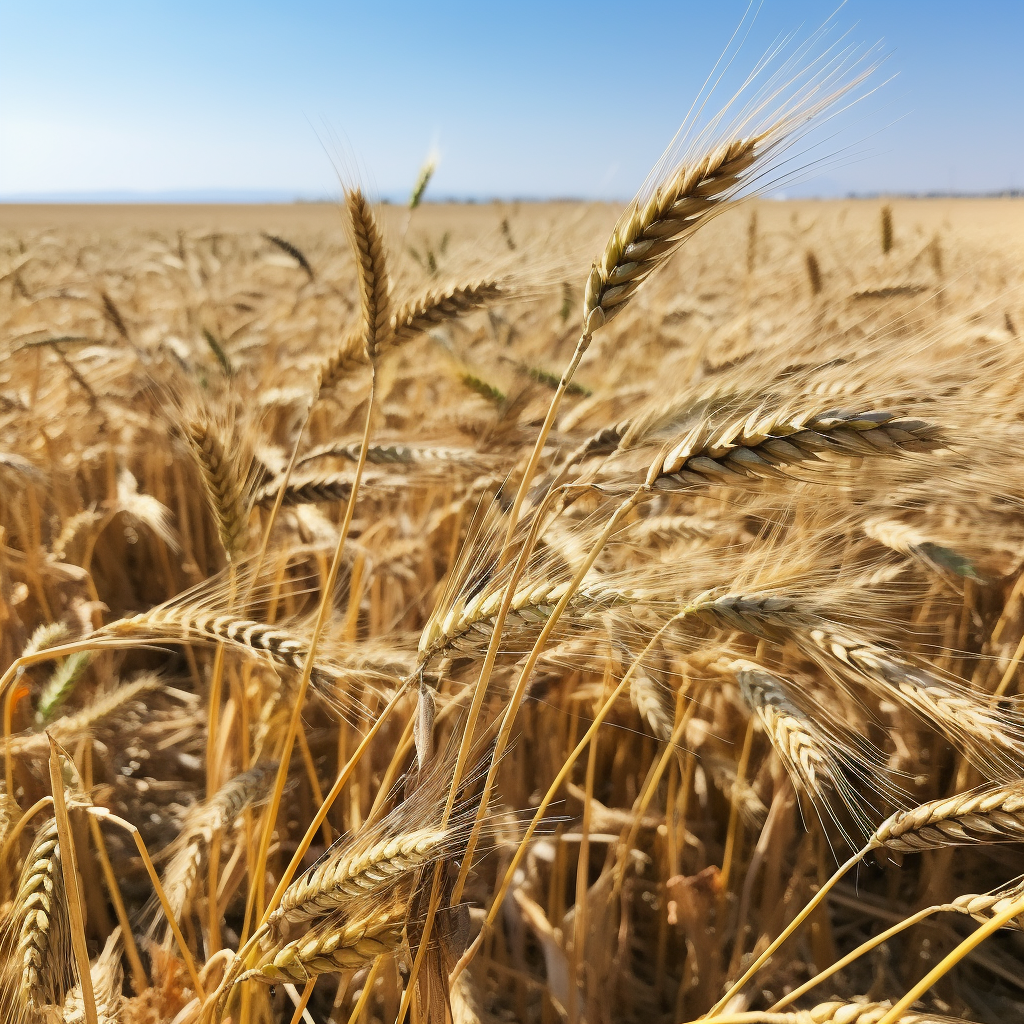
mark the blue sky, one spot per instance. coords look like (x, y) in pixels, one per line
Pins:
(529, 99)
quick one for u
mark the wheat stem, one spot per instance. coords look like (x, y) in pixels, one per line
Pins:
(69, 869)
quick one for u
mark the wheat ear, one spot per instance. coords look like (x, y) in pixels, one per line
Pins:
(374, 288)
(991, 738)
(429, 310)
(645, 695)
(799, 743)
(990, 815)
(223, 482)
(345, 878)
(335, 945)
(40, 907)
(200, 828)
(395, 454)
(438, 306)
(773, 445)
(468, 622)
(650, 231)
(308, 491)
(107, 979)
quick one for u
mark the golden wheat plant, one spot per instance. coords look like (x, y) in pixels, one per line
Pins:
(361, 663)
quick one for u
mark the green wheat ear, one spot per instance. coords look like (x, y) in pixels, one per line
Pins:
(422, 181)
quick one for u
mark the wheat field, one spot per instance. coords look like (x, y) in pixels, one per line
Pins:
(362, 661)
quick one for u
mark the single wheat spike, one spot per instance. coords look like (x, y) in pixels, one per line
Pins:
(990, 732)
(886, 229)
(292, 250)
(194, 623)
(984, 906)
(798, 741)
(328, 487)
(422, 180)
(335, 945)
(201, 825)
(438, 306)
(773, 445)
(41, 916)
(224, 485)
(991, 815)
(651, 230)
(349, 358)
(374, 289)
(395, 454)
(645, 695)
(429, 310)
(907, 540)
(367, 872)
(669, 528)
(813, 272)
(107, 979)
(469, 621)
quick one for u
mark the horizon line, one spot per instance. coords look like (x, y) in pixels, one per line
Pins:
(289, 197)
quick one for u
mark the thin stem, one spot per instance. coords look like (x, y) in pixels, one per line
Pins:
(105, 815)
(326, 603)
(69, 869)
(553, 789)
(531, 467)
(792, 927)
(300, 1006)
(941, 969)
(524, 678)
(864, 947)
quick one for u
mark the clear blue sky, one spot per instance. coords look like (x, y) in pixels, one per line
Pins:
(522, 98)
